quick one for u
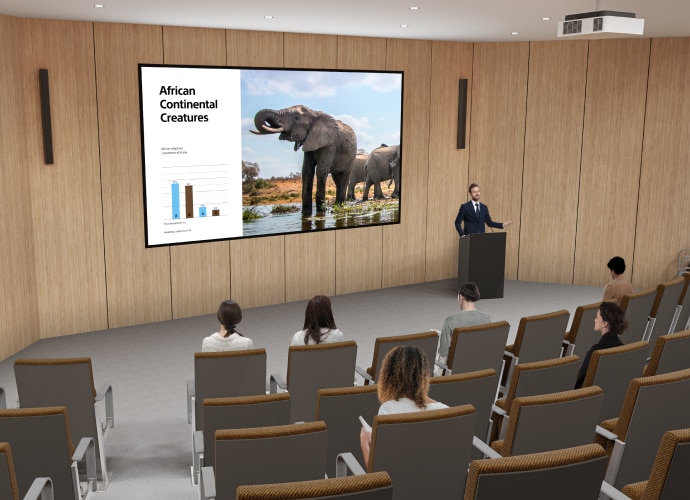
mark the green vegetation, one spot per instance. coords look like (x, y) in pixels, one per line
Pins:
(251, 213)
(284, 209)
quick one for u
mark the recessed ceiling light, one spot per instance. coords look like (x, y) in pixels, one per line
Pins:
(268, 17)
(99, 5)
(546, 19)
(515, 33)
(414, 8)
(403, 25)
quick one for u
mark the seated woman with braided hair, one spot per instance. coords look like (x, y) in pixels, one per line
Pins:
(227, 338)
(403, 387)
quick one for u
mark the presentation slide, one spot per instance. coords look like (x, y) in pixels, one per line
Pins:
(192, 154)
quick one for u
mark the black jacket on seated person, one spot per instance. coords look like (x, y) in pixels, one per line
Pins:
(607, 341)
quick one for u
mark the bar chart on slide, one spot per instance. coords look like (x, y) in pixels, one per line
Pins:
(192, 191)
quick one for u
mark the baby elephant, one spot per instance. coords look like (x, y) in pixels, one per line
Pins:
(383, 164)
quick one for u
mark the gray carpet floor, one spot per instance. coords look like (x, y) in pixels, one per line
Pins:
(149, 450)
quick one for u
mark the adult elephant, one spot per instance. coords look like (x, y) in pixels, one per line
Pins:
(357, 174)
(329, 147)
(383, 164)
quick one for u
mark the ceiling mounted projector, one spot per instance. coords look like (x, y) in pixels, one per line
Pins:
(601, 24)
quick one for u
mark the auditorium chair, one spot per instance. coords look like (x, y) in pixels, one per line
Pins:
(665, 309)
(581, 335)
(3, 400)
(670, 353)
(314, 367)
(683, 319)
(477, 347)
(41, 488)
(426, 341)
(638, 308)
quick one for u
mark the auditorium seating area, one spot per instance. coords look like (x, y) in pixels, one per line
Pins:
(161, 436)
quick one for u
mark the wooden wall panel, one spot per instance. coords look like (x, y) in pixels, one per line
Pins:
(499, 95)
(310, 258)
(448, 166)
(553, 139)
(138, 278)
(257, 265)
(200, 273)
(404, 244)
(18, 290)
(663, 208)
(611, 150)
(65, 196)
(254, 48)
(358, 264)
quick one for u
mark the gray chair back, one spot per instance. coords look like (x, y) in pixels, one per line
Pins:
(263, 410)
(637, 308)
(340, 408)
(612, 370)
(265, 455)
(314, 367)
(227, 374)
(8, 481)
(426, 341)
(61, 382)
(569, 474)
(683, 322)
(676, 483)
(670, 353)
(664, 309)
(541, 377)
(426, 453)
(581, 333)
(478, 347)
(41, 445)
(653, 405)
(552, 421)
(540, 337)
(374, 486)
(475, 388)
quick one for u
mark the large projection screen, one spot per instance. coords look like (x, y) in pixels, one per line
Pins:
(231, 152)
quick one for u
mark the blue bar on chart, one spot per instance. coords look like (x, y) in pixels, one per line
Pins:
(175, 189)
(202, 211)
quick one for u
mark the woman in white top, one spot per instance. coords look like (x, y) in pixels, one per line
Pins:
(227, 338)
(319, 325)
(403, 387)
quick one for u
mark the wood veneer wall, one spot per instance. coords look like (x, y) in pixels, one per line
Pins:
(584, 145)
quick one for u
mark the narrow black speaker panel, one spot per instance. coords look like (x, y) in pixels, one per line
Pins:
(45, 116)
(462, 112)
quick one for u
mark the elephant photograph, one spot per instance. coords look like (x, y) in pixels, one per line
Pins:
(329, 147)
(301, 135)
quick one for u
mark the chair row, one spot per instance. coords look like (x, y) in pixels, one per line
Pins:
(426, 453)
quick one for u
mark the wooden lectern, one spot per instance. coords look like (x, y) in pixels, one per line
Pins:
(482, 259)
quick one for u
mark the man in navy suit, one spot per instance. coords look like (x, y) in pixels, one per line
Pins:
(475, 215)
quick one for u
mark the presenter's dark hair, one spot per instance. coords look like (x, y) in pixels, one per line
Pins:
(229, 315)
(317, 315)
(472, 186)
(614, 316)
(470, 291)
(617, 265)
(404, 373)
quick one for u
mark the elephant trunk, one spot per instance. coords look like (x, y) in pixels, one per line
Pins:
(266, 122)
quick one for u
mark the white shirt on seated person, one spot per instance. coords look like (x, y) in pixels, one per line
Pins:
(328, 336)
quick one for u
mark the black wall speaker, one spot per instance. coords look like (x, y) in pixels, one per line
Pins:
(462, 112)
(45, 116)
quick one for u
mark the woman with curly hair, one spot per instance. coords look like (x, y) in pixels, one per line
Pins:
(403, 386)
(610, 321)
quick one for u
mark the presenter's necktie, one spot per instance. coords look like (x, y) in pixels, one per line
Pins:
(476, 209)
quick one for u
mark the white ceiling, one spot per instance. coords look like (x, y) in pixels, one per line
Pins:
(453, 20)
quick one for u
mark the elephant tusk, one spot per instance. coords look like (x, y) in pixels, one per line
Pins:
(273, 130)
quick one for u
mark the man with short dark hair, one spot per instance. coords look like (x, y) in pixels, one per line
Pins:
(468, 294)
(619, 285)
(474, 216)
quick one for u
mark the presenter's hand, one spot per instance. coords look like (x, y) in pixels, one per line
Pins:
(507, 223)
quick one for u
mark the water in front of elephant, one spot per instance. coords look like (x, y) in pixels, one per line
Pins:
(295, 222)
